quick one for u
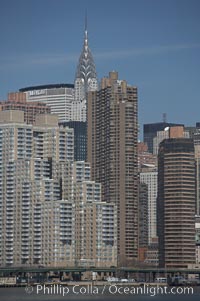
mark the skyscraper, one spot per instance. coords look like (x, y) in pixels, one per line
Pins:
(112, 152)
(150, 131)
(166, 133)
(80, 138)
(176, 203)
(58, 97)
(149, 175)
(143, 221)
(85, 81)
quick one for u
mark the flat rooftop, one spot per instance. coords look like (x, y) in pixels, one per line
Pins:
(43, 87)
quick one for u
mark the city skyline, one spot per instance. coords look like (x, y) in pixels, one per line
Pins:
(41, 45)
(78, 188)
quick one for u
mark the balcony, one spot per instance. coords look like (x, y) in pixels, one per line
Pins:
(25, 249)
(25, 256)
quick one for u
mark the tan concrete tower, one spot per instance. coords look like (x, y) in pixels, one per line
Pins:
(112, 152)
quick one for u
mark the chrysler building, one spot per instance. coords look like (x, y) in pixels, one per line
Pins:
(85, 81)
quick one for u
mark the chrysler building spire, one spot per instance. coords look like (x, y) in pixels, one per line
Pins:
(85, 80)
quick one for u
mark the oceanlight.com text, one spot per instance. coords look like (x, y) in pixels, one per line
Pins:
(107, 289)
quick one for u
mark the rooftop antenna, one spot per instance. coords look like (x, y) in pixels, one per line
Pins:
(164, 117)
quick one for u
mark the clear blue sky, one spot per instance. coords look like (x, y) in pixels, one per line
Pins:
(153, 44)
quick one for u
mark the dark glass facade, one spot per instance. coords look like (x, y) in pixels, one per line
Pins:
(150, 131)
(80, 138)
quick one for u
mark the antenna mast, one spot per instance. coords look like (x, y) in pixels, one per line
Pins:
(164, 117)
(86, 20)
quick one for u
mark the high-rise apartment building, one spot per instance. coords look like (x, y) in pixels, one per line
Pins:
(197, 161)
(176, 203)
(195, 135)
(81, 230)
(54, 225)
(17, 101)
(85, 81)
(143, 221)
(96, 221)
(27, 156)
(149, 175)
(147, 163)
(47, 201)
(112, 152)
